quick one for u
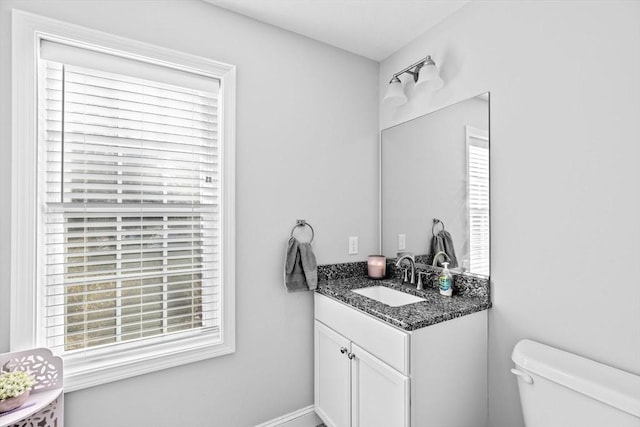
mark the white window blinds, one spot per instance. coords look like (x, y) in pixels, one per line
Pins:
(478, 196)
(129, 195)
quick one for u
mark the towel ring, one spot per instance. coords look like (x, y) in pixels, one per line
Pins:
(303, 223)
(435, 222)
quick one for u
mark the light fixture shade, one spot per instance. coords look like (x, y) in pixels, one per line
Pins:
(395, 93)
(429, 76)
(430, 85)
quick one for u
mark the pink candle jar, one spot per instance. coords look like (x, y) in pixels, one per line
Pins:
(376, 266)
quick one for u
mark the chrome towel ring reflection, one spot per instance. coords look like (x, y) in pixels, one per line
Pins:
(303, 223)
(436, 221)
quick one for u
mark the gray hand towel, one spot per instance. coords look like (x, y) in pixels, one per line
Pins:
(300, 268)
(448, 248)
(437, 245)
(309, 265)
(443, 242)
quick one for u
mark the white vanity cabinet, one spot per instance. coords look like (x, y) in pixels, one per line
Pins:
(355, 388)
(332, 376)
(369, 373)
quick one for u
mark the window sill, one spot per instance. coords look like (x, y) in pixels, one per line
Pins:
(95, 367)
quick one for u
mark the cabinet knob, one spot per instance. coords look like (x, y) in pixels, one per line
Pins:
(343, 350)
(351, 356)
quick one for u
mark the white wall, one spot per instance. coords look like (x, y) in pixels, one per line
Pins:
(306, 148)
(565, 109)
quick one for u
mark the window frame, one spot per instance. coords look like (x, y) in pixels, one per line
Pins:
(472, 133)
(105, 365)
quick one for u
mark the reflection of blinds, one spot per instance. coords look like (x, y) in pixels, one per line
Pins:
(129, 189)
(478, 193)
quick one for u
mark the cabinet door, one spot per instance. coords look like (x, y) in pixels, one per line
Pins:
(380, 394)
(331, 376)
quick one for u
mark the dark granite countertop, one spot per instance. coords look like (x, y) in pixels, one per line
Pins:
(437, 308)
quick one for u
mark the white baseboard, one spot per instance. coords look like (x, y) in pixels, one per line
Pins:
(305, 417)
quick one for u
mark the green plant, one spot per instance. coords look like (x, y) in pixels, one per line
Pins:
(14, 383)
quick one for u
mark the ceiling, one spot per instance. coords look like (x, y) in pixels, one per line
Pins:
(370, 28)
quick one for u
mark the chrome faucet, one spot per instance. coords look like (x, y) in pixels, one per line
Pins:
(435, 258)
(412, 262)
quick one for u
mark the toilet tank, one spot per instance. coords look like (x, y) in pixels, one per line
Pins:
(561, 389)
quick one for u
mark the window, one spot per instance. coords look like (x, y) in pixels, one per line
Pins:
(133, 166)
(478, 199)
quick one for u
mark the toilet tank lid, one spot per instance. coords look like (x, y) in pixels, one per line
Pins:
(609, 385)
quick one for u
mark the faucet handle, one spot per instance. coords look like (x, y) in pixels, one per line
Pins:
(405, 276)
(420, 284)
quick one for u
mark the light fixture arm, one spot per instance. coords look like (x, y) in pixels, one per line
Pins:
(417, 65)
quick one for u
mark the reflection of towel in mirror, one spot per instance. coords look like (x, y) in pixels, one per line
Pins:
(442, 242)
(300, 268)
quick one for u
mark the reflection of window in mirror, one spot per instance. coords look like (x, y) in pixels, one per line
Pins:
(478, 199)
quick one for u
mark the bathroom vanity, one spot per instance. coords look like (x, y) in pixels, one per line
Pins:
(417, 364)
(387, 354)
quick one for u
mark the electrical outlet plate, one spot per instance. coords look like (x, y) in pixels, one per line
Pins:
(353, 245)
(402, 242)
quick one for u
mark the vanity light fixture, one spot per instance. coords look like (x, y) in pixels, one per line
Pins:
(425, 74)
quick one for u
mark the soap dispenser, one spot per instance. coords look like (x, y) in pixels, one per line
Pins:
(445, 281)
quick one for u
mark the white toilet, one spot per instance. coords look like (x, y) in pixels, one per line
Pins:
(560, 389)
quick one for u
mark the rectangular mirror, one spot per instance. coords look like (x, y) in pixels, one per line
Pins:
(435, 176)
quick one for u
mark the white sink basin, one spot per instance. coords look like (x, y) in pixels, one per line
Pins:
(388, 296)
